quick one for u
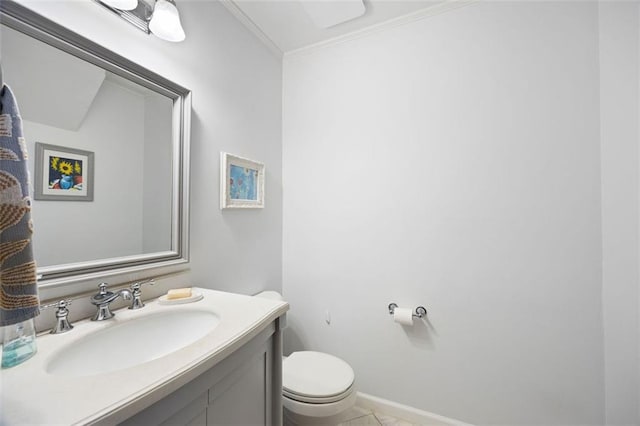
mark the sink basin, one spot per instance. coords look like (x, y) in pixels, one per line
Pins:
(132, 342)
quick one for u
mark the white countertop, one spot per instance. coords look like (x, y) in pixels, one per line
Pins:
(31, 396)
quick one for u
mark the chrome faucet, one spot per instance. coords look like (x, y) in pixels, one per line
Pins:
(104, 298)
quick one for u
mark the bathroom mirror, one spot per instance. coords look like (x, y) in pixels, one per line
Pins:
(96, 122)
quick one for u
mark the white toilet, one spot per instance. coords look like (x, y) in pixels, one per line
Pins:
(317, 388)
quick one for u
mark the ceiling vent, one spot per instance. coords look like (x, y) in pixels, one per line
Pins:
(328, 13)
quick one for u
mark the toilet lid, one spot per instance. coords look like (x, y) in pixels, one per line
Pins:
(315, 375)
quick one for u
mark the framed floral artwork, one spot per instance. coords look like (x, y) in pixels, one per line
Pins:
(63, 174)
(241, 182)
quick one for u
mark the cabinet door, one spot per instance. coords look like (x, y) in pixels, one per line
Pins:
(241, 397)
(194, 414)
(181, 408)
(201, 420)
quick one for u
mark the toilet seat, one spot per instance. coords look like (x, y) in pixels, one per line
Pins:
(317, 400)
(316, 378)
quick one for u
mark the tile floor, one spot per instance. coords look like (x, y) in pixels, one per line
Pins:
(363, 417)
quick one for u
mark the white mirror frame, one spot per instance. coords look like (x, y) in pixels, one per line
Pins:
(22, 19)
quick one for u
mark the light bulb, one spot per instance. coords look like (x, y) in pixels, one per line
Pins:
(121, 4)
(165, 22)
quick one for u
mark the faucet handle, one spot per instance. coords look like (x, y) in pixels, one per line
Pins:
(102, 294)
(137, 302)
(59, 304)
(138, 284)
(62, 305)
(62, 323)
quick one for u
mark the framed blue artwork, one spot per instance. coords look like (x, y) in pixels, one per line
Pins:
(63, 174)
(241, 182)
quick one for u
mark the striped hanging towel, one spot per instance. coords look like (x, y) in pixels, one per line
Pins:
(18, 288)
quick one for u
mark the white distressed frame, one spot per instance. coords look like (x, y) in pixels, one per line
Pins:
(226, 202)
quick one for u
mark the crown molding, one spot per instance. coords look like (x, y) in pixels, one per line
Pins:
(437, 9)
(427, 12)
(232, 7)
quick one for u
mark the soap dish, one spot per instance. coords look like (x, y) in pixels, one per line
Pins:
(195, 296)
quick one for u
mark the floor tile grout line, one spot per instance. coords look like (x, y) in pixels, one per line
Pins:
(395, 419)
(348, 422)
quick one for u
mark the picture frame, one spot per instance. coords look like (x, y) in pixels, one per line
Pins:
(241, 182)
(63, 173)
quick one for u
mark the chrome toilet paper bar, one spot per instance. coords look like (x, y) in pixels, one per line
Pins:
(420, 311)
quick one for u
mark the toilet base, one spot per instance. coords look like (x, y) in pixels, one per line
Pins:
(303, 414)
(293, 419)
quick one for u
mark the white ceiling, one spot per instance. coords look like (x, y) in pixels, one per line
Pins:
(286, 25)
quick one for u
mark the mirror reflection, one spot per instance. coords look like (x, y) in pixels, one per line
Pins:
(70, 103)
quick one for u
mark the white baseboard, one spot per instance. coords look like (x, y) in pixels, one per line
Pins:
(404, 412)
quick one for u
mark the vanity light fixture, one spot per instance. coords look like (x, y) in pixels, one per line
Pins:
(165, 22)
(159, 17)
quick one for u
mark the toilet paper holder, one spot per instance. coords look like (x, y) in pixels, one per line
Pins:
(419, 312)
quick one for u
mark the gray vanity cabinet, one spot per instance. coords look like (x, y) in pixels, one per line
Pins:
(241, 397)
(243, 389)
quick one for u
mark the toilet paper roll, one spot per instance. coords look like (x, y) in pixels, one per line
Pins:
(403, 316)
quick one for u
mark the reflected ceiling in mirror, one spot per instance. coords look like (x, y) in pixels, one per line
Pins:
(77, 95)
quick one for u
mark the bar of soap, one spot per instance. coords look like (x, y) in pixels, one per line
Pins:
(178, 293)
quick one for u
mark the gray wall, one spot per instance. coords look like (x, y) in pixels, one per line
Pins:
(453, 162)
